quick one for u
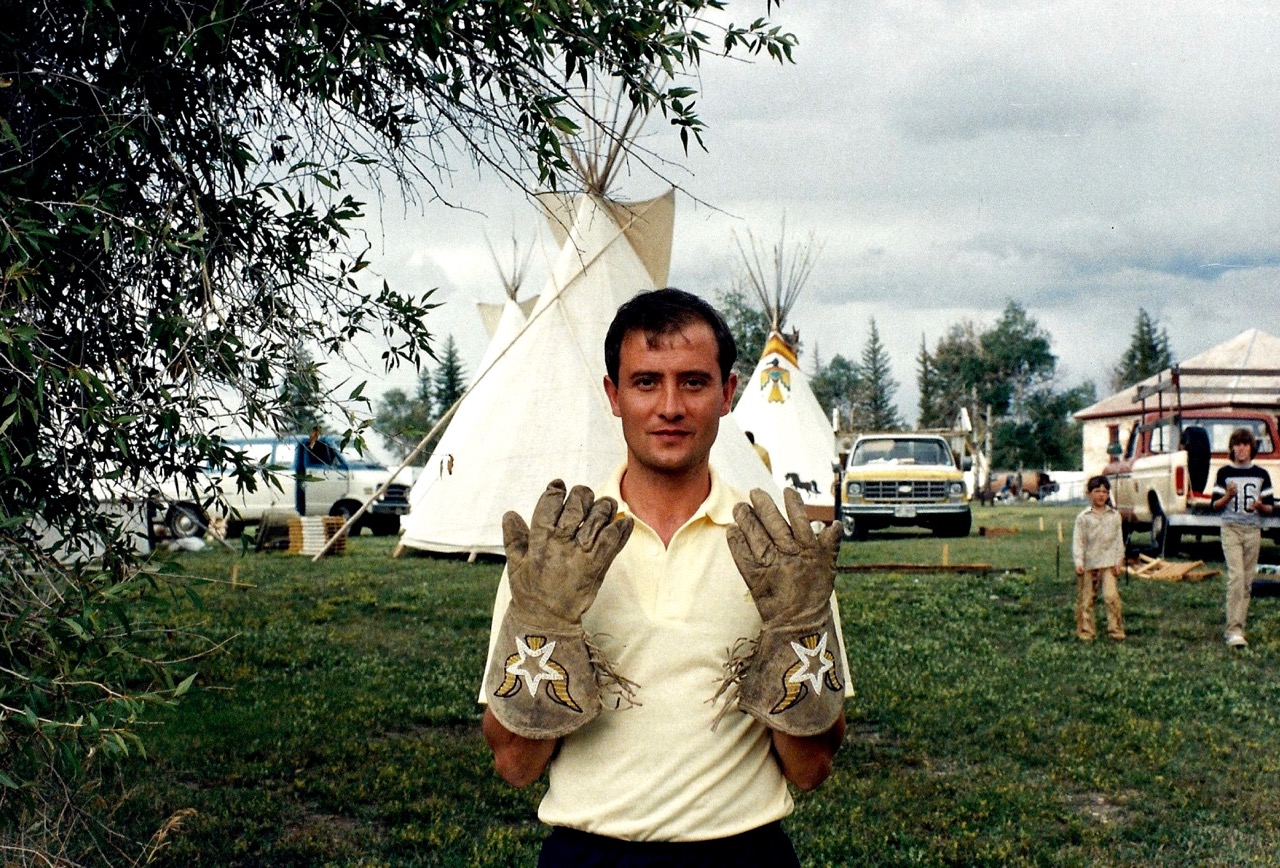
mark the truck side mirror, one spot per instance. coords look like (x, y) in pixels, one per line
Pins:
(966, 463)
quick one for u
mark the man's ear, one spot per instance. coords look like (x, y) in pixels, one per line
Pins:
(611, 390)
(730, 386)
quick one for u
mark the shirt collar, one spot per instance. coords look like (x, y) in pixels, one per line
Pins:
(718, 507)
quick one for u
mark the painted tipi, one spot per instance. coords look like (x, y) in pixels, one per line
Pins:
(777, 404)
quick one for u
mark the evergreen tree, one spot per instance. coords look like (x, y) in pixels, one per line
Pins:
(874, 408)
(1148, 353)
(933, 412)
(450, 379)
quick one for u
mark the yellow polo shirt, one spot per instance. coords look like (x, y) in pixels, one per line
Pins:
(667, 618)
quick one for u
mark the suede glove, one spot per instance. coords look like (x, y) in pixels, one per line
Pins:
(542, 678)
(791, 682)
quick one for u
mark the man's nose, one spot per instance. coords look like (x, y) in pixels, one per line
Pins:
(671, 404)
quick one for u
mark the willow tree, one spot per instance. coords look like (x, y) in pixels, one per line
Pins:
(176, 220)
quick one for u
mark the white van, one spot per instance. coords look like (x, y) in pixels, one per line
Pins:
(306, 476)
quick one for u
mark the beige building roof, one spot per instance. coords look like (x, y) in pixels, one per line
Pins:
(1241, 372)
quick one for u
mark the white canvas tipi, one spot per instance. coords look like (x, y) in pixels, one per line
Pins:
(504, 320)
(539, 411)
(777, 404)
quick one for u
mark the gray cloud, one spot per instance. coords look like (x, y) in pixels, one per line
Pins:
(976, 97)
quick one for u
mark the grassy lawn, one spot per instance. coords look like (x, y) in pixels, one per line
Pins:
(337, 725)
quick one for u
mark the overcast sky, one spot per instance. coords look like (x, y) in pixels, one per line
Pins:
(1082, 158)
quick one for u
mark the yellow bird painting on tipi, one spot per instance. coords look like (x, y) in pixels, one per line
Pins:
(775, 379)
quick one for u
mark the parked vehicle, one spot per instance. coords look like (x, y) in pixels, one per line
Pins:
(1006, 486)
(900, 480)
(1163, 479)
(305, 475)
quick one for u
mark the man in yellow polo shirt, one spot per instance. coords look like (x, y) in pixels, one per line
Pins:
(642, 593)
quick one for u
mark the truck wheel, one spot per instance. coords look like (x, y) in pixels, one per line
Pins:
(384, 525)
(344, 509)
(1164, 539)
(957, 526)
(185, 520)
(853, 529)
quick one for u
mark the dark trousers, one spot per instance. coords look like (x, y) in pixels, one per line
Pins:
(765, 847)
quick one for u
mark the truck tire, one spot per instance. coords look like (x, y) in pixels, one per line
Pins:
(1164, 539)
(344, 509)
(383, 525)
(853, 529)
(184, 520)
(956, 526)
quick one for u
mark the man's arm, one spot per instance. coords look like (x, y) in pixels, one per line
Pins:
(806, 760)
(518, 760)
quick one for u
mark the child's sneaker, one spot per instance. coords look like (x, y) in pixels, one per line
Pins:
(1235, 640)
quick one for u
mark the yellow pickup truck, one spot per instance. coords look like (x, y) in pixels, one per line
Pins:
(903, 480)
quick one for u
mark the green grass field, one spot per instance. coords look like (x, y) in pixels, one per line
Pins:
(335, 721)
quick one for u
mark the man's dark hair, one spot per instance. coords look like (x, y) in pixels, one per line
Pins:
(662, 312)
(1097, 482)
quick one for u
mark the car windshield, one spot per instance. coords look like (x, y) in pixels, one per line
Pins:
(890, 451)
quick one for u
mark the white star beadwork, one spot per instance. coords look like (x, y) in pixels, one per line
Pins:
(520, 668)
(814, 664)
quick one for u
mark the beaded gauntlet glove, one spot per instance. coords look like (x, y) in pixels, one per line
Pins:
(543, 678)
(791, 682)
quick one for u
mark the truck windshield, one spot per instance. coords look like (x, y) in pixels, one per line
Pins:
(1219, 432)
(888, 450)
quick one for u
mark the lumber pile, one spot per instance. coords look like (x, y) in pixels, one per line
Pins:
(308, 535)
(996, 531)
(1172, 571)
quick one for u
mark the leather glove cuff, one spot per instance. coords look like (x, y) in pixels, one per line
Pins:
(542, 683)
(792, 683)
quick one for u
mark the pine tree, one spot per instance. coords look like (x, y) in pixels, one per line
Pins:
(1148, 353)
(450, 379)
(875, 408)
(932, 403)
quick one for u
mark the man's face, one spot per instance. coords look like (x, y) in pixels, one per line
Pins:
(670, 398)
(1099, 496)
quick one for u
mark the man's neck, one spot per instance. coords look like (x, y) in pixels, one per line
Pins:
(664, 501)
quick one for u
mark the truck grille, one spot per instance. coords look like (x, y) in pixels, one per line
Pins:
(906, 489)
(396, 493)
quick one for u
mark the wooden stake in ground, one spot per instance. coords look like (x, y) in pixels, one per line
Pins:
(1057, 557)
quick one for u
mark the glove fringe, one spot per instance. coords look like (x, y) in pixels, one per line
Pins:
(609, 679)
(736, 665)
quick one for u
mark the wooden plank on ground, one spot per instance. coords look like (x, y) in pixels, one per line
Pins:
(926, 568)
(1167, 571)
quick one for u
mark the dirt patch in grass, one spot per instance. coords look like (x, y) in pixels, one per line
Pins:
(1099, 808)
